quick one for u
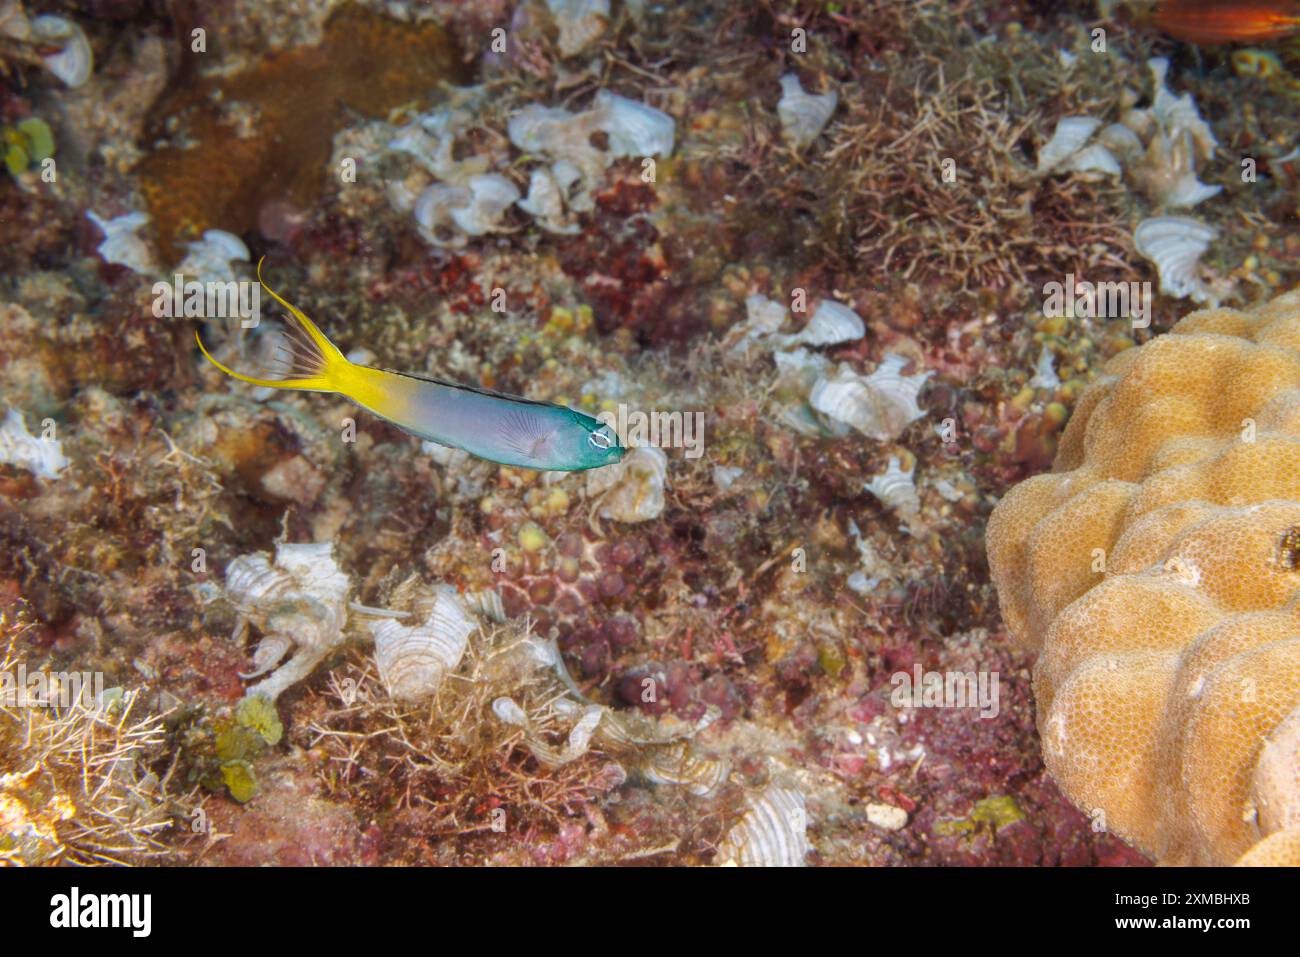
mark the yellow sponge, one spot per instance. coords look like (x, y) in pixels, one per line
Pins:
(1156, 571)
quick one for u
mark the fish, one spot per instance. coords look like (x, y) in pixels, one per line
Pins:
(505, 429)
(1211, 22)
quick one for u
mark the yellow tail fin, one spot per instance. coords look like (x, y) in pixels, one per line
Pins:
(306, 357)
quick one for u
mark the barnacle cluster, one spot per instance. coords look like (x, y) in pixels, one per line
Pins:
(507, 743)
(1178, 143)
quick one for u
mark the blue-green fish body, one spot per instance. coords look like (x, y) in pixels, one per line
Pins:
(505, 429)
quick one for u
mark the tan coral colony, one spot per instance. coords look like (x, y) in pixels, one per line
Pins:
(1156, 572)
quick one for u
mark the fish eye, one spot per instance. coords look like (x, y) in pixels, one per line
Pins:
(602, 438)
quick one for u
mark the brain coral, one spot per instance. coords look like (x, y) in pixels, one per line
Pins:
(1156, 571)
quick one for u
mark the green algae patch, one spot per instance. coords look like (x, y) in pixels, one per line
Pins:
(994, 813)
(831, 659)
(237, 740)
(26, 143)
(234, 742)
(257, 713)
(240, 780)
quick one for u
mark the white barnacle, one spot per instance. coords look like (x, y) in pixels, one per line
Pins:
(270, 651)
(679, 763)
(213, 256)
(564, 140)
(830, 324)
(433, 213)
(896, 490)
(447, 213)
(1045, 376)
(1093, 158)
(763, 320)
(880, 405)
(1168, 172)
(580, 22)
(800, 367)
(413, 659)
(1069, 149)
(1179, 142)
(299, 604)
(579, 739)
(41, 456)
(431, 139)
(631, 490)
(803, 115)
(486, 603)
(1177, 114)
(1122, 143)
(433, 154)
(122, 246)
(74, 62)
(1175, 244)
(490, 196)
(509, 711)
(798, 371)
(568, 177)
(772, 832)
(548, 129)
(634, 129)
(545, 202)
(1070, 135)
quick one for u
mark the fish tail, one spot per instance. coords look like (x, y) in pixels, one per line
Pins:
(304, 357)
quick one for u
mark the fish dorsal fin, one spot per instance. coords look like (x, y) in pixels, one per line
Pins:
(478, 390)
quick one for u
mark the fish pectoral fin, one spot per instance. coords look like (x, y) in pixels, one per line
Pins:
(542, 447)
(523, 432)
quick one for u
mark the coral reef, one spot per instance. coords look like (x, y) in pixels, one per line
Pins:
(798, 253)
(1154, 573)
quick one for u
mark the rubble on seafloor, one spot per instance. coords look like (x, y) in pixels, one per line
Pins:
(810, 288)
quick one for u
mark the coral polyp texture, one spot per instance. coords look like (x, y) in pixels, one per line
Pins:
(1156, 573)
(233, 163)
